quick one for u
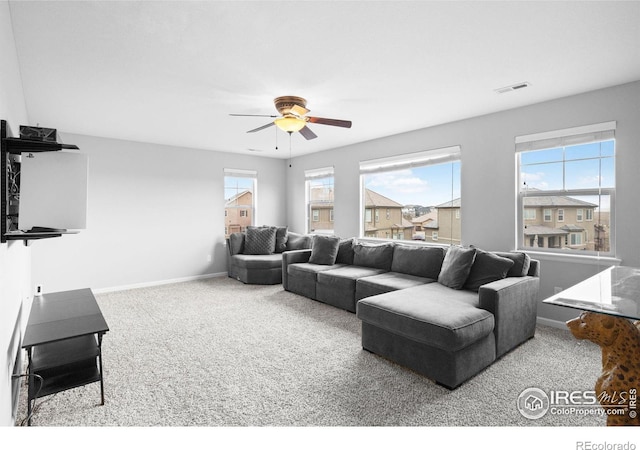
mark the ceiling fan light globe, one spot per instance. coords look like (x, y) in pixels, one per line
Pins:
(290, 124)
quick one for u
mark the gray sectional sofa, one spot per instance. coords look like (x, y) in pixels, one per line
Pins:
(255, 256)
(446, 313)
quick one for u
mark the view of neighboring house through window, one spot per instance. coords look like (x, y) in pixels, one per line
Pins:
(319, 199)
(239, 196)
(413, 196)
(567, 178)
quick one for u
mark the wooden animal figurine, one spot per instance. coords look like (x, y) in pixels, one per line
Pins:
(619, 339)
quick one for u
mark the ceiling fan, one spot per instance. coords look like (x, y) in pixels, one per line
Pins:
(293, 118)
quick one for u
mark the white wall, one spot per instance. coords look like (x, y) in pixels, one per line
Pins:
(155, 213)
(14, 257)
(489, 176)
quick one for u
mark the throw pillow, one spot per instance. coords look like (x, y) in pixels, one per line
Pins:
(374, 256)
(456, 266)
(486, 268)
(324, 250)
(281, 239)
(260, 241)
(419, 261)
(521, 263)
(345, 252)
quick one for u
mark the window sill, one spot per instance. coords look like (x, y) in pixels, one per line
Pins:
(580, 259)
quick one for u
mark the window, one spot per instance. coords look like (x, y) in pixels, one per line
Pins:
(320, 199)
(576, 239)
(574, 169)
(239, 196)
(412, 190)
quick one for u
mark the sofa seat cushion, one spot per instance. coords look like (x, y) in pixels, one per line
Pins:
(345, 277)
(420, 314)
(309, 269)
(258, 261)
(302, 277)
(387, 282)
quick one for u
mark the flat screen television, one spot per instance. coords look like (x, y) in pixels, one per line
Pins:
(53, 191)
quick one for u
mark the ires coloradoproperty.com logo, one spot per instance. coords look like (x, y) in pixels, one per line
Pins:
(534, 403)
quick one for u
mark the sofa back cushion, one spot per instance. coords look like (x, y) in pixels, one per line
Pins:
(521, 263)
(297, 241)
(378, 256)
(486, 268)
(236, 243)
(456, 266)
(281, 239)
(324, 250)
(345, 252)
(260, 241)
(419, 261)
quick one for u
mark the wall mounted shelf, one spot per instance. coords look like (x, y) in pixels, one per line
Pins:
(17, 146)
(10, 195)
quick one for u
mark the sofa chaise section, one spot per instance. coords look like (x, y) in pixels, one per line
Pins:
(450, 335)
(448, 341)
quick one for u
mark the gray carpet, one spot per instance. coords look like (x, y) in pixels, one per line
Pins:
(219, 353)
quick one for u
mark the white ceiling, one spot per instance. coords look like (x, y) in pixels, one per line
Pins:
(171, 72)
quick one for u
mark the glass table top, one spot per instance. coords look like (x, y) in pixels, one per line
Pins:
(614, 291)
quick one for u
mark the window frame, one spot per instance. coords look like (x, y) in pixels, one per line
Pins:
(564, 139)
(312, 210)
(244, 210)
(447, 155)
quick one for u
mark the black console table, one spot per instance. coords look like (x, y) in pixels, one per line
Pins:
(63, 341)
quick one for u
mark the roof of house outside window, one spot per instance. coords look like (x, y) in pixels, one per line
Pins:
(455, 203)
(373, 199)
(426, 219)
(541, 230)
(233, 201)
(556, 200)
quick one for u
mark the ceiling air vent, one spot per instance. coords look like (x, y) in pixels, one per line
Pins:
(513, 87)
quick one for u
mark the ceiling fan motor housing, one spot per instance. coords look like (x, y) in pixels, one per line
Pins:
(284, 104)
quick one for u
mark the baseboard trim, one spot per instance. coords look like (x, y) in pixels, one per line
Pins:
(158, 283)
(552, 323)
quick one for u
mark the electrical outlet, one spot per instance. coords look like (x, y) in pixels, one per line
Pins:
(557, 289)
(208, 258)
(38, 290)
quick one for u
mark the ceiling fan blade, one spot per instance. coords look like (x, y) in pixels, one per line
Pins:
(253, 115)
(270, 124)
(307, 133)
(332, 122)
(299, 110)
